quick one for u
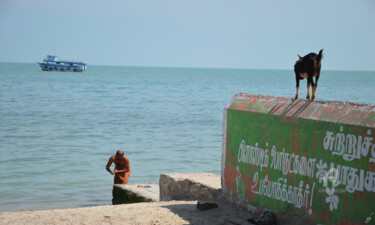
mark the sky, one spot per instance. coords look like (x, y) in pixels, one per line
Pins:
(190, 33)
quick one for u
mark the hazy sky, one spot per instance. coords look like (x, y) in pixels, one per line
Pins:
(190, 33)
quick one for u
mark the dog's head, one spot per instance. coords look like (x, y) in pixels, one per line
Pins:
(299, 59)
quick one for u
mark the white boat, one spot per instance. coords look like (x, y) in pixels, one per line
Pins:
(52, 64)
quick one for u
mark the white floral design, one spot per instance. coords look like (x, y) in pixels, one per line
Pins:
(332, 199)
(321, 170)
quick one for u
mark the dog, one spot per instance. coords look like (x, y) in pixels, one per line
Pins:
(308, 67)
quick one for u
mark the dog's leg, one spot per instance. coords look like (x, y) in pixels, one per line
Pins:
(296, 92)
(297, 86)
(313, 92)
(308, 88)
(315, 86)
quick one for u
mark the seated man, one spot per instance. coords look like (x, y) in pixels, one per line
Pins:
(122, 167)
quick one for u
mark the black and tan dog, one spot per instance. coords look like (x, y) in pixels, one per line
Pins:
(308, 67)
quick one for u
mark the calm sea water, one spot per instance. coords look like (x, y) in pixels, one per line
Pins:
(58, 129)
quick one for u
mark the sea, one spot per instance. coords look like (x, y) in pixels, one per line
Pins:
(58, 129)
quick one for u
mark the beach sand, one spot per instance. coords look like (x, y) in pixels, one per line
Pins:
(164, 212)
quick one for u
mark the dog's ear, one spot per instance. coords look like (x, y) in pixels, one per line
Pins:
(299, 57)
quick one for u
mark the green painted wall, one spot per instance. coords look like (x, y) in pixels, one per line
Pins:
(324, 169)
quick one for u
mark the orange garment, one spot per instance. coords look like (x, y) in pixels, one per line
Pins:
(121, 178)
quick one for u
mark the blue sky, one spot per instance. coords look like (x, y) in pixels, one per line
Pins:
(190, 33)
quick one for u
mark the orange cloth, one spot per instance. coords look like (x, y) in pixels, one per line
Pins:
(121, 178)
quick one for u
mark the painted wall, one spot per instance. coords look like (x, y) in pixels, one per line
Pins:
(313, 156)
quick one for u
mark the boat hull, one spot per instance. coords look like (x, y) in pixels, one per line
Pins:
(62, 67)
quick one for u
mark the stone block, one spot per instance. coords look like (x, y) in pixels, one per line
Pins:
(133, 193)
(197, 186)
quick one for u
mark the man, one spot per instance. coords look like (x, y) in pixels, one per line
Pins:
(122, 167)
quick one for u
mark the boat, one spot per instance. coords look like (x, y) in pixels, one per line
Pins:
(50, 63)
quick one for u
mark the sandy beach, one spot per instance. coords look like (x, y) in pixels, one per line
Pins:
(165, 212)
(156, 212)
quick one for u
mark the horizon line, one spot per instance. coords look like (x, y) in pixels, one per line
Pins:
(192, 67)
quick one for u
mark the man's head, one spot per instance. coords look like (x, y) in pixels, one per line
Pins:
(119, 154)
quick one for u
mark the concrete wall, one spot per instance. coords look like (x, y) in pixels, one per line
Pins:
(314, 158)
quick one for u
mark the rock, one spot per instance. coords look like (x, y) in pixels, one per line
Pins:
(204, 205)
(265, 218)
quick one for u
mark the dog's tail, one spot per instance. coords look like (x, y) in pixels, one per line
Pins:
(320, 56)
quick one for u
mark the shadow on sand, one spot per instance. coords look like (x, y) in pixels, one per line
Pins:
(224, 214)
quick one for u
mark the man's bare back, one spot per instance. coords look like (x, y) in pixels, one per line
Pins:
(122, 167)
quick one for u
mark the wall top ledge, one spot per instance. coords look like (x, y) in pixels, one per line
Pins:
(319, 110)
